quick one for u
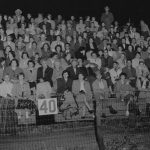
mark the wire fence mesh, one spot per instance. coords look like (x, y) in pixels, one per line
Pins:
(123, 124)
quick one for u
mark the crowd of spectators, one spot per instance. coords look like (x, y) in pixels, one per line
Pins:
(79, 58)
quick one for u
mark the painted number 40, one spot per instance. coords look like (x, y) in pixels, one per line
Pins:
(47, 106)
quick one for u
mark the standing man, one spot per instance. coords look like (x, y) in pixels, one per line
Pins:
(107, 18)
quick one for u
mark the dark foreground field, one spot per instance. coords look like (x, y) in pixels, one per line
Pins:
(75, 137)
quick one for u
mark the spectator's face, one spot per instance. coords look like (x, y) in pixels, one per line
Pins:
(65, 75)
(58, 38)
(44, 64)
(138, 56)
(130, 48)
(99, 76)
(139, 49)
(25, 56)
(14, 64)
(74, 63)
(94, 56)
(45, 46)
(122, 77)
(90, 40)
(58, 49)
(6, 78)
(81, 77)
(8, 38)
(106, 9)
(68, 39)
(21, 77)
(57, 64)
(129, 63)
(31, 40)
(115, 65)
(34, 45)
(105, 53)
(31, 65)
(122, 56)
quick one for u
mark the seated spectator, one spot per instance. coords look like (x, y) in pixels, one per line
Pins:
(2, 67)
(147, 62)
(57, 42)
(107, 77)
(6, 87)
(100, 87)
(31, 75)
(57, 71)
(23, 63)
(130, 72)
(45, 51)
(10, 56)
(51, 60)
(63, 87)
(21, 89)
(82, 91)
(33, 49)
(136, 60)
(141, 69)
(143, 85)
(82, 68)
(122, 61)
(130, 53)
(107, 61)
(73, 70)
(43, 89)
(115, 73)
(95, 61)
(45, 72)
(9, 42)
(13, 70)
(122, 87)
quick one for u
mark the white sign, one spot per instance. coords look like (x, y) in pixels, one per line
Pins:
(47, 106)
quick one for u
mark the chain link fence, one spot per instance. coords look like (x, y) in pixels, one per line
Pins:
(116, 123)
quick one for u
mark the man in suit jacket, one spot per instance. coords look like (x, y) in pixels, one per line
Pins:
(45, 73)
(73, 70)
(82, 91)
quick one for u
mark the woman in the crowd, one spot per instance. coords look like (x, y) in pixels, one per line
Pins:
(45, 50)
(91, 45)
(122, 61)
(13, 70)
(21, 89)
(136, 60)
(23, 63)
(83, 94)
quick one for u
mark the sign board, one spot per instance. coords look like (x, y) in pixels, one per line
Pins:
(47, 106)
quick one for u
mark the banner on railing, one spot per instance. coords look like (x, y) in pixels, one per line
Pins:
(47, 106)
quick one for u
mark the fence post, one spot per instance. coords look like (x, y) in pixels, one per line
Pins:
(98, 129)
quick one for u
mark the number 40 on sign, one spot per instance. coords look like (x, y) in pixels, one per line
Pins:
(47, 106)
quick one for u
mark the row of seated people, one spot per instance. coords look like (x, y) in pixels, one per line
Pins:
(32, 83)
